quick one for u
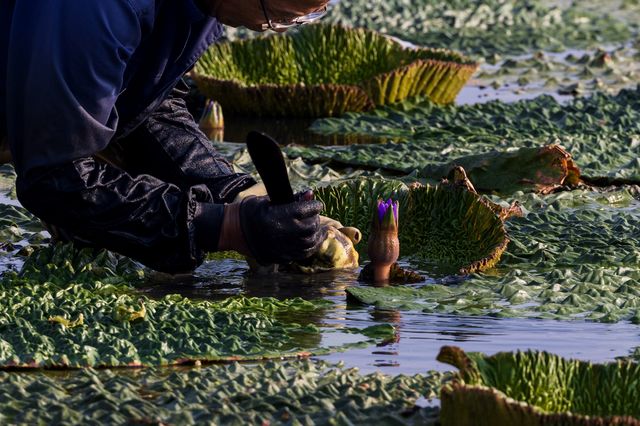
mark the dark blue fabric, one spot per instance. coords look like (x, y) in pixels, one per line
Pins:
(155, 195)
(79, 76)
(6, 11)
(76, 74)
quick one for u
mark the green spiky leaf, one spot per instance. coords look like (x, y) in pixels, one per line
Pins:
(538, 388)
(447, 225)
(78, 308)
(326, 70)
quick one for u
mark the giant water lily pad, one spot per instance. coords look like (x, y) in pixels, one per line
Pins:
(291, 392)
(70, 308)
(538, 388)
(575, 73)
(540, 170)
(448, 225)
(325, 71)
(487, 27)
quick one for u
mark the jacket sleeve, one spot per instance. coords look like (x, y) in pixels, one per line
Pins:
(159, 224)
(170, 146)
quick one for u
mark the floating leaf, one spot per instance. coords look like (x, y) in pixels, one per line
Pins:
(446, 224)
(125, 313)
(66, 322)
(289, 392)
(574, 256)
(326, 70)
(540, 170)
(60, 282)
(487, 27)
(538, 388)
(601, 132)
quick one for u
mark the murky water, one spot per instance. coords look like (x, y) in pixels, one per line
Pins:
(290, 131)
(420, 336)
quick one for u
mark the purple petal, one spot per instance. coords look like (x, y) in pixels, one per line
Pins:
(395, 210)
(382, 209)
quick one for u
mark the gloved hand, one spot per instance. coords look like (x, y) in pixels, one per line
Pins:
(258, 189)
(273, 233)
(335, 251)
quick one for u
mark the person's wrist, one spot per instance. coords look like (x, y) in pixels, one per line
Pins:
(207, 221)
(231, 235)
(257, 189)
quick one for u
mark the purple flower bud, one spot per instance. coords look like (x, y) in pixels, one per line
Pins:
(387, 213)
(382, 210)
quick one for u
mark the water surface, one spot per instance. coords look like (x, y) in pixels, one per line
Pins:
(419, 336)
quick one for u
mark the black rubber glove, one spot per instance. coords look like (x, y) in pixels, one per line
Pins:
(281, 233)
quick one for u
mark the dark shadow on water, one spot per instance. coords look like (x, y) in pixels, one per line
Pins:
(288, 131)
(220, 279)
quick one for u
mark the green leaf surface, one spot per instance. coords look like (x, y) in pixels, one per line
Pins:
(545, 382)
(576, 255)
(487, 27)
(70, 308)
(602, 133)
(568, 74)
(302, 392)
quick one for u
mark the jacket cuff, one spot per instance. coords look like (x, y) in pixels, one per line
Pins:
(246, 182)
(208, 224)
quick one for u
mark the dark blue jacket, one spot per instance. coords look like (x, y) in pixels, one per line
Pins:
(84, 71)
(77, 76)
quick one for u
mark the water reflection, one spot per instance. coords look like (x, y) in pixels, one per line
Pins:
(290, 131)
(422, 335)
(219, 279)
(419, 335)
(287, 131)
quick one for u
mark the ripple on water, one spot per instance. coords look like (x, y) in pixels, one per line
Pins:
(420, 335)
